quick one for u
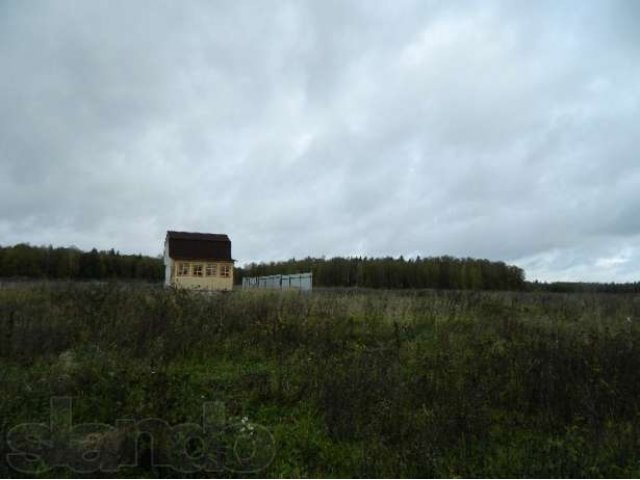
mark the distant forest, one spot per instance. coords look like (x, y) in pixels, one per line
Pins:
(435, 272)
(26, 261)
(584, 287)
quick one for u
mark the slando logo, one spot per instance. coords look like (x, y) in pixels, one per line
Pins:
(214, 446)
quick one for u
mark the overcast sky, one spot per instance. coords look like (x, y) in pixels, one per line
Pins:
(502, 130)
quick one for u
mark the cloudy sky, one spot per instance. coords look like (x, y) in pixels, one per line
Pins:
(502, 130)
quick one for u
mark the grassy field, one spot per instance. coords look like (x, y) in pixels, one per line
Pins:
(334, 383)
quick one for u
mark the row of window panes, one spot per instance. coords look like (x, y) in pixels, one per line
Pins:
(209, 270)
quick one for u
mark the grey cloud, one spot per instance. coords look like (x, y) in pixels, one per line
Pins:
(505, 130)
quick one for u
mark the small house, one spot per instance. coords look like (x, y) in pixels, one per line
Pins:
(198, 261)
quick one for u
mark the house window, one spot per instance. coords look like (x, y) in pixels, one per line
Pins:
(211, 270)
(225, 271)
(183, 269)
(197, 270)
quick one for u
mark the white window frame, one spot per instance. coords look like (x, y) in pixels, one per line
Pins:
(225, 271)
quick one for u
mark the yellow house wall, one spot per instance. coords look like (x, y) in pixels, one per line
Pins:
(216, 282)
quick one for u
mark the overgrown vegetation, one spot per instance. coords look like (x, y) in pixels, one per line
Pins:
(366, 383)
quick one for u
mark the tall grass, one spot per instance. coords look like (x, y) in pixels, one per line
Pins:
(350, 383)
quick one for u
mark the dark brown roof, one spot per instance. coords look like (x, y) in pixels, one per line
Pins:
(199, 246)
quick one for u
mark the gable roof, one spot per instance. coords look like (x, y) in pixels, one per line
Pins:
(199, 246)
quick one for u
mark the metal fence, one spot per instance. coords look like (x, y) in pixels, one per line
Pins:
(297, 281)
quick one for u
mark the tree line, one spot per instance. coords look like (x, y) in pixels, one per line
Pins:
(584, 287)
(26, 261)
(435, 272)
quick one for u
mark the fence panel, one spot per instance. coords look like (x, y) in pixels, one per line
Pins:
(296, 281)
